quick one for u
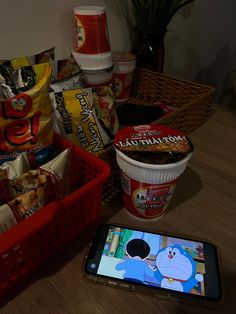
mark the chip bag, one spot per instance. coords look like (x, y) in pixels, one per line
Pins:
(26, 120)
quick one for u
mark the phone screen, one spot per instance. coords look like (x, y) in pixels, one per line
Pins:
(156, 260)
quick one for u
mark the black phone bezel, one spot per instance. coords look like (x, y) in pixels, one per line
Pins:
(96, 249)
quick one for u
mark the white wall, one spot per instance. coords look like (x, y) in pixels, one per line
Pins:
(30, 26)
(201, 43)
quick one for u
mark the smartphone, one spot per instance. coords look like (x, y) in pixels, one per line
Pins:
(170, 265)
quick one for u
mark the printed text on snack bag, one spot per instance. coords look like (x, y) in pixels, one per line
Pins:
(20, 129)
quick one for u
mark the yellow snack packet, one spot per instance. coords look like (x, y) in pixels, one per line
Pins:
(85, 116)
(85, 130)
(26, 120)
(20, 62)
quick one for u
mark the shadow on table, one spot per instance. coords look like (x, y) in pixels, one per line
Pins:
(188, 185)
(50, 267)
(56, 262)
(229, 280)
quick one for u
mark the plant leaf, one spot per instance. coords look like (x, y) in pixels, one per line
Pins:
(151, 17)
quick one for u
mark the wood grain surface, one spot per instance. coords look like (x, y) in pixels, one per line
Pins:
(203, 206)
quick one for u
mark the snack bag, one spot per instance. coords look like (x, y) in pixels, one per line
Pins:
(26, 120)
(24, 78)
(34, 189)
(86, 116)
(67, 68)
(69, 76)
(46, 56)
(6, 79)
(10, 170)
(18, 73)
(103, 99)
(84, 123)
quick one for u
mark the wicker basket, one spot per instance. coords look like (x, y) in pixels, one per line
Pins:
(192, 100)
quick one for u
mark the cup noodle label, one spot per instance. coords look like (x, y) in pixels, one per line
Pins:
(142, 199)
(151, 138)
(122, 84)
(146, 200)
(91, 33)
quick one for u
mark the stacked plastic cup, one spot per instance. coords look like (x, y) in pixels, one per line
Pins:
(124, 66)
(91, 44)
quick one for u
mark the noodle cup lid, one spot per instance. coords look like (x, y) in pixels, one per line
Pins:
(152, 138)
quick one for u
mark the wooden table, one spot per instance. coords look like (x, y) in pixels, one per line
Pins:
(204, 205)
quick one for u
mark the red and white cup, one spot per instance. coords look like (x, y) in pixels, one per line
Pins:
(147, 188)
(124, 66)
(91, 31)
(91, 38)
(99, 77)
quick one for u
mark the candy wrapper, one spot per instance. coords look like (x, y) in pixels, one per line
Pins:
(34, 189)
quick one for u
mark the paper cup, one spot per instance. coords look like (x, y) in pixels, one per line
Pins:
(151, 159)
(124, 65)
(90, 30)
(148, 188)
(90, 62)
(99, 77)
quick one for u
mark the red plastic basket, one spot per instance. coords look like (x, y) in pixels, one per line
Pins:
(24, 247)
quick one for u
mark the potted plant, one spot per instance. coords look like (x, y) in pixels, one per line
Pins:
(148, 21)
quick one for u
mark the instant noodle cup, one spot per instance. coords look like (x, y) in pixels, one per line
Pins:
(99, 77)
(93, 62)
(124, 65)
(91, 38)
(91, 30)
(151, 159)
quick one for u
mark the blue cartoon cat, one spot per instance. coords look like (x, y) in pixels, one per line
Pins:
(176, 269)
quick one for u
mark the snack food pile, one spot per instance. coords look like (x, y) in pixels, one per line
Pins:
(25, 191)
(37, 98)
(75, 97)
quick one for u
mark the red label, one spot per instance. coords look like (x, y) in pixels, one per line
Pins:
(152, 138)
(146, 200)
(122, 84)
(17, 107)
(91, 34)
(18, 131)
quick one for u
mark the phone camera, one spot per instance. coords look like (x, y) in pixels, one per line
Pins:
(92, 265)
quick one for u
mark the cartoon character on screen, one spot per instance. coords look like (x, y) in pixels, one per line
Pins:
(135, 266)
(176, 269)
